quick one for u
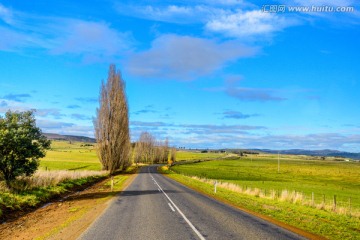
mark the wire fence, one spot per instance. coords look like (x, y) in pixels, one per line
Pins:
(338, 204)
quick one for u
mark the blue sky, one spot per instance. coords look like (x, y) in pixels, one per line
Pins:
(205, 74)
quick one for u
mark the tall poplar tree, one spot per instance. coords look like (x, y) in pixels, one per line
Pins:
(112, 123)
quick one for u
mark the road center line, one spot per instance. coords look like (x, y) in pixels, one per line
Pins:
(171, 207)
(180, 212)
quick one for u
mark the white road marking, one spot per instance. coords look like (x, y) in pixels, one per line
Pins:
(180, 212)
(171, 207)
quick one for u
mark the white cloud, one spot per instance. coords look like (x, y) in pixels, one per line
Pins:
(227, 2)
(245, 136)
(84, 37)
(233, 89)
(6, 14)
(46, 112)
(12, 105)
(91, 40)
(171, 13)
(13, 40)
(185, 57)
(322, 2)
(242, 24)
(65, 128)
(253, 94)
(236, 19)
(349, 17)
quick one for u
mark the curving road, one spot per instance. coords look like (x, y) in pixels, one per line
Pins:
(156, 207)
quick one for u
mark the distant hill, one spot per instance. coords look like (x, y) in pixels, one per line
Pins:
(324, 153)
(54, 136)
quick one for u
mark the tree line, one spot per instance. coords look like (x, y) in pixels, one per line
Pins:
(149, 150)
(113, 135)
(22, 143)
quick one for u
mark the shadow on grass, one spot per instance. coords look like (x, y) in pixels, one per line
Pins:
(73, 169)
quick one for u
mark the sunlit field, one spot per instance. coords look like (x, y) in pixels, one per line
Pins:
(319, 196)
(64, 155)
(324, 179)
(182, 155)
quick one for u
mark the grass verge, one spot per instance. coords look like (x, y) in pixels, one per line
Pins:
(87, 207)
(11, 202)
(322, 223)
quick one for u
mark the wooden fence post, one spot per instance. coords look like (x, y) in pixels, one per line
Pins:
(215, 186)
(334, 202)
(350, 206)
(312, 199)
(112, 183)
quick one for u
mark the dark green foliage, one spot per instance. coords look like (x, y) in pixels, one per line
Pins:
(21, 145)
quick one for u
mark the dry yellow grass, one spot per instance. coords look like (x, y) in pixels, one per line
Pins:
(51, 178)
(284, 196)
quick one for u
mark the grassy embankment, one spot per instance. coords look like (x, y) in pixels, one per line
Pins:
(254, 184)
(65, 167)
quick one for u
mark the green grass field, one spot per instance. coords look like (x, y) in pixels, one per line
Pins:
(66, 156)
(192, 155)
(327, 178)
(76, 157)
(61, 156)
(297, 173)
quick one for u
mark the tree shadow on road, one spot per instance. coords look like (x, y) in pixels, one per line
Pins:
(143, 192)
(98, 195)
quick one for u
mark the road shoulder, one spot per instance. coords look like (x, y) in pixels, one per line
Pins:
(288, 227)
(66, 218)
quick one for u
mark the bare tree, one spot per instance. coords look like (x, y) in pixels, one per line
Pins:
(173, 155)
(148, 150)
(145, 148)
(112, 123)
(164, 151)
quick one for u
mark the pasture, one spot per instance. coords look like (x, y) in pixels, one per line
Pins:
(301, 194)
(66, 166)
(324, 179)
(182, 155)
(74, 156)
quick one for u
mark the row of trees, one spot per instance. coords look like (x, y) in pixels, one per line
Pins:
(22, 142)
(149, 150)
(112, 130)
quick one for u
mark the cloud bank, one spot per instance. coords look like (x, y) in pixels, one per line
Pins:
(90, 40)
(185, 58)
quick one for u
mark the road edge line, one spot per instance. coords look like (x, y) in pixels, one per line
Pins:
(180, 212)
(286, 226)
(109, 202)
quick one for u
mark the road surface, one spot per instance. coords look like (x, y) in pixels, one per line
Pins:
(156, 207)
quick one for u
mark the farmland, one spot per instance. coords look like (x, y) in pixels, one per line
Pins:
(253, 182)
(327, 178)
(197, 155)
(64, 155)
(66, 166)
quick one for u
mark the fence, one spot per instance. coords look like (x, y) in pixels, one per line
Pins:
(319, 201)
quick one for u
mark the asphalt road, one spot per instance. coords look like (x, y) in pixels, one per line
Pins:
(155, 207)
